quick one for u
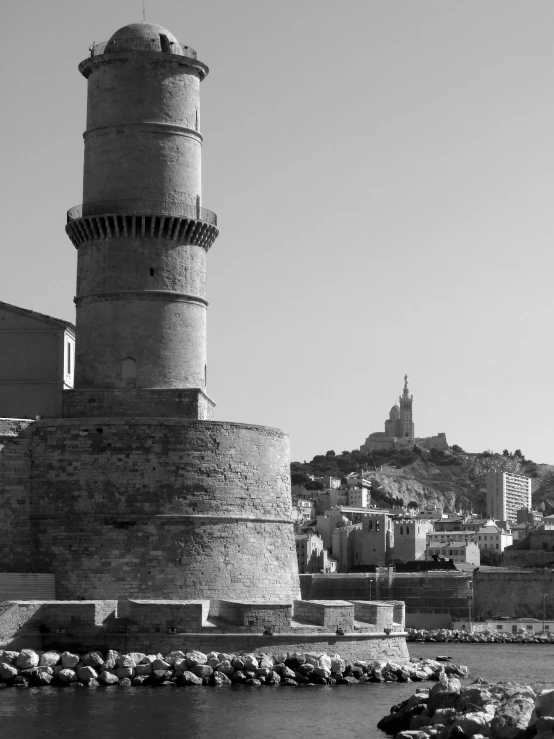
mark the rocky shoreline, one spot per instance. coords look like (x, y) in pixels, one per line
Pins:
(34, 668)
(478, 637)
(498, 711)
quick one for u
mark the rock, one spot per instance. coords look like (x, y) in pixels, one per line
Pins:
(49, 659)
(195, 658)
(20, 681)
(70, 660)
(125, 660)
(202, 670)
(306, 669)
(213, 662)
(238, 676)
(86, 673)
(389, 677)
(67, 675)
(126, 681)
(219, 678)
(263, 672)
(7, 672)
(160, 664)
(125, 672)
(111, 660)
(137, 657)
(294, 660)
(289, 683)
(442, 715)
(27, 658)
(108, 678)
(252, 682)
(545, 728)
(47, 670)
(143, 670)
(273, 678)
(139, 680)
(251, 663)
(148, 659)
(512, 718)
(445, 693)
(92, 659)
(473, 695)
(349, 680)
(226, 667)
(287, 673)
(544, 703)
(8, 657)
(44, 678)
(337, 664)
(180, 665)
(474, 723)
(394, 723)
(266, 661)
(322, 672)
(189, 678)
(238, 663)
(300, 678)
(161, 676)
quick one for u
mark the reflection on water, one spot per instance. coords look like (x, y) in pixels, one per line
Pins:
(249, 713)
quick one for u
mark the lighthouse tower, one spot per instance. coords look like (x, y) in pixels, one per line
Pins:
(142, 233)
(135, 492)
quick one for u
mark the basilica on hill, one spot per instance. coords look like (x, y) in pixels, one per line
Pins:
(400, 429)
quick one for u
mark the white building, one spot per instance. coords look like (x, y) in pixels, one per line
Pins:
(507, 493)
(456, 550)
(492, 536)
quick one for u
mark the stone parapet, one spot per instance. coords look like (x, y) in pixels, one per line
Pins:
(331, 614)
(255, 617)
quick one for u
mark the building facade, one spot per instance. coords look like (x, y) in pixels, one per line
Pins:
(507, 492)
(457, 550)
(37, 359)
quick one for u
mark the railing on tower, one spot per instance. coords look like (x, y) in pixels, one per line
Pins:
(138, 44)
(142, 207)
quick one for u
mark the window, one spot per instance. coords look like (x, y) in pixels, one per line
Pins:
(499, 627)
(128, 369)
(68, 357)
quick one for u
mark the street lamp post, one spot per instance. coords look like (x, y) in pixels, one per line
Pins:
(544, 597)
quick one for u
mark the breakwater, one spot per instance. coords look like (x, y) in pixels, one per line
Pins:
(478, 637)
(29, 667)
(496, 710)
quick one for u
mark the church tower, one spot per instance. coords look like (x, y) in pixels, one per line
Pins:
(405, 425)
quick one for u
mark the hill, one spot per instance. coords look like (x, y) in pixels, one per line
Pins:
(454, 480)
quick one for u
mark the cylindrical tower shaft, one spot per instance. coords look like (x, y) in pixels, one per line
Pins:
(141, 233)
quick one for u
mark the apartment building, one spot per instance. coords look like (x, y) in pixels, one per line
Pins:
(507, 493)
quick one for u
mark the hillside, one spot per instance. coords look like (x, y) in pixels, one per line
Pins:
(455, 480)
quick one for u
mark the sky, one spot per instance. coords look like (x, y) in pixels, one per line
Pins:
(383, 176)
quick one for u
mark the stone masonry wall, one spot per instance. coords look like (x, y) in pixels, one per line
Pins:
(513, 593)
(160, 508)
(141, 402)
(15, 493)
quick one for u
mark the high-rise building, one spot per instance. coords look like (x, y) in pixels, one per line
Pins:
(507, 492)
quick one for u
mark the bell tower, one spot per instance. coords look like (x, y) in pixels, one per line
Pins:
(142, 233)
(406, 427)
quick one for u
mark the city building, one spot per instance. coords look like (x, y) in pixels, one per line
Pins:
(312, 555)
(458, 550)
(442, 537)
(507, 493)
(37, 358)
(491, 536)
(410, 539)
(528, 516)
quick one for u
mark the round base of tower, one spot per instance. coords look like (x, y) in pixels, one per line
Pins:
(163, 508)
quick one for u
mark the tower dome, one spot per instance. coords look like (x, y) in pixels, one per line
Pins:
(394, 412)
(143, 37)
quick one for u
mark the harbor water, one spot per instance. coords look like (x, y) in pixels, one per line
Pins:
(249, 713)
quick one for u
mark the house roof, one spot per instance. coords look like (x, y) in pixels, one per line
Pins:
(449, 545)
(37, 316)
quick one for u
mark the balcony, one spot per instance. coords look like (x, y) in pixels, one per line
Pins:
(143, 218)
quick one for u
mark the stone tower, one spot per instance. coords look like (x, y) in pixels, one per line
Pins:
(135, 492)
(406, 427)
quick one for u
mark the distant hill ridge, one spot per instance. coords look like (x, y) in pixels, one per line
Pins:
(454, 480)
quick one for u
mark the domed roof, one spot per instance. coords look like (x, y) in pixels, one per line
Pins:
(143, 37)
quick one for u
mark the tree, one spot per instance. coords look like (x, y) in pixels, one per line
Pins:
(519, 453)
(299, 478)
(505, 453)
(315, 485)
(330, 453)
(456, 448)
(491, 558)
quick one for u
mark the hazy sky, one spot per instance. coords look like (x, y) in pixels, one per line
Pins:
(383, 175)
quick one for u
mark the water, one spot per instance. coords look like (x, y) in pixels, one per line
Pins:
(327, 712)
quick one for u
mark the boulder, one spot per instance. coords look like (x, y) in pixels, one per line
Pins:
(160, 664)
(189, 678)
(108, 678)
(91, 659)
(202, 671)
(349, 680)
(273, 678)
(287, 673)
(394, 723)
(337, 664)
(544, 703)
(123, 672)
(47, 670)
(70, 660)
(27, 658)
(238, 663)
(143, 670)
(173, 657)
(44, 678)
(289, 683)
(477, 722)
(253, 682)
(148, 659)
(67, 675)
(180, 665)
(512, 718)
(195, 658)
(7, 672)
(545, 728)
(139, 680)
(161, 676)
(238, 676)
(213, 662)
(137, 657)
(266, 661)
(251, 662)
(49, 659)
(321, 672)
(125, 682)
(20, 681)
(263, 672)
(8, 657)
(445, 693)
(86, 673)
(125, 660)
(220, 678)
(226, 667)
(110, 662)
(294, 660)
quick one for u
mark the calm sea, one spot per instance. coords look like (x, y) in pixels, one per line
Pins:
(247, 713)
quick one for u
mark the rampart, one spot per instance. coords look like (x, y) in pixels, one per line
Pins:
(514, 593)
